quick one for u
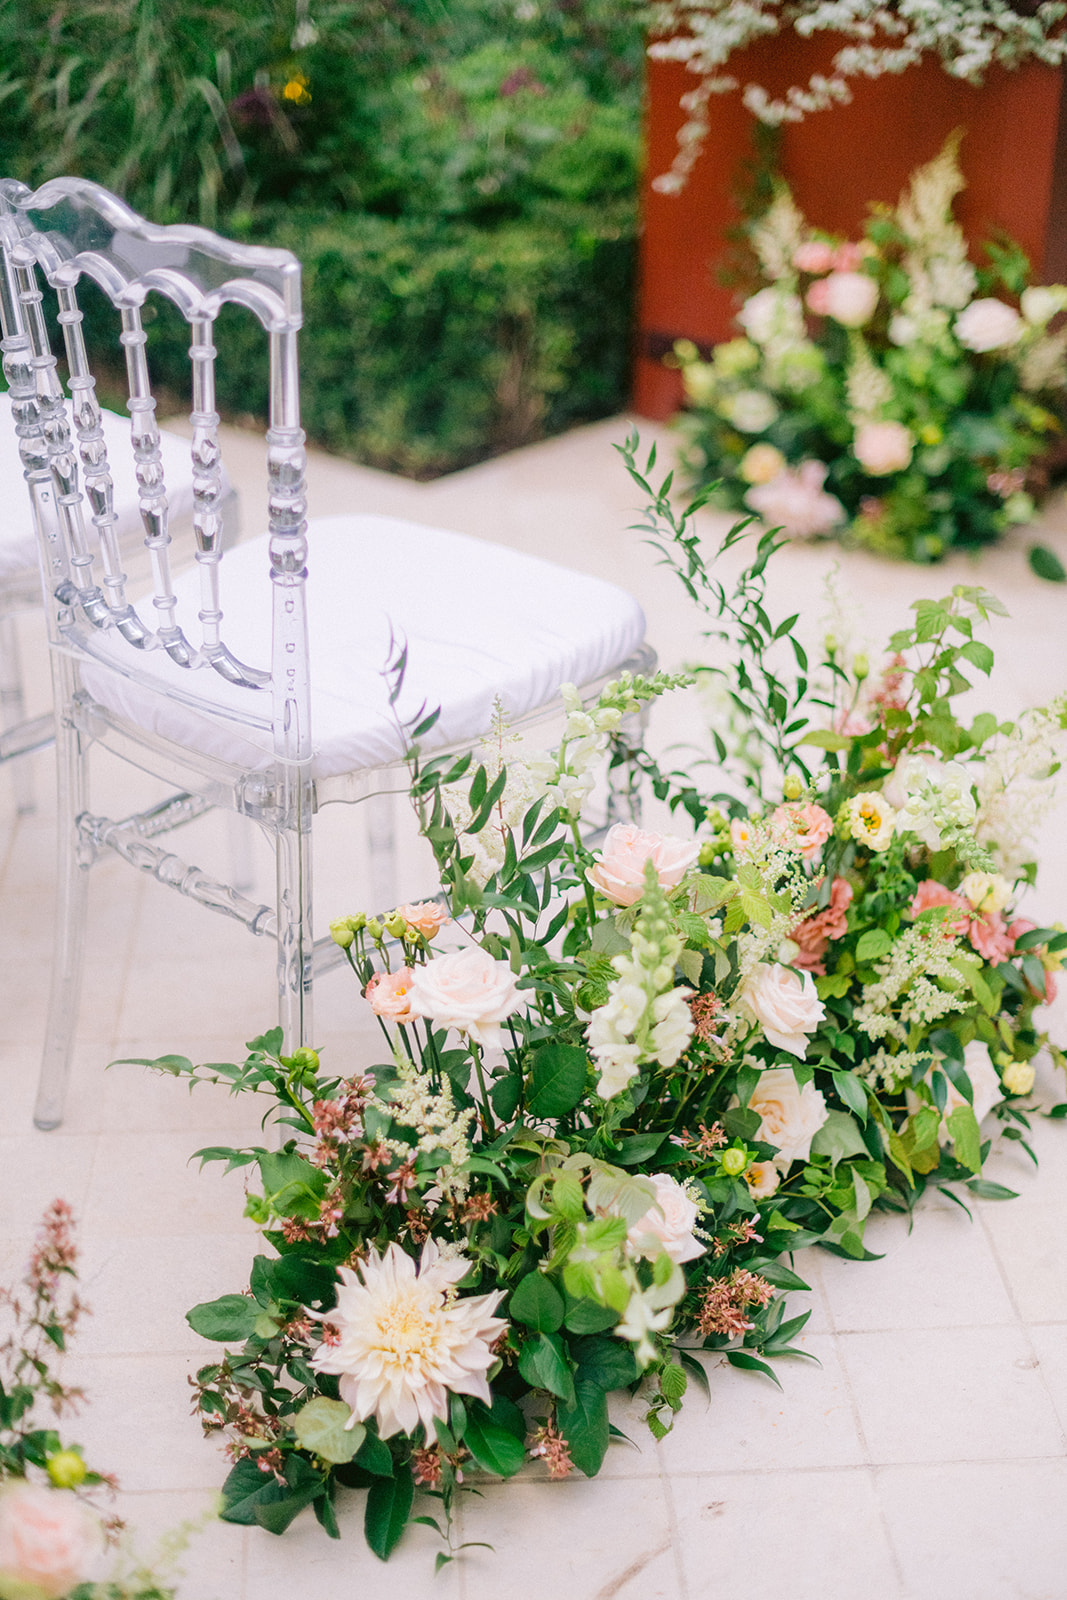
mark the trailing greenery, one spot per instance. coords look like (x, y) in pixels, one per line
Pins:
(458, 181)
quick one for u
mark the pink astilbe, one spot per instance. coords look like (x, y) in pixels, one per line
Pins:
(46, 1324)
(724, 1304)
(706, 1141)
(704, 1008)
(549, 1444)
(813, 934)
(426, 1467)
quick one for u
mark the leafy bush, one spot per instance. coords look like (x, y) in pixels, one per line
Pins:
(459, 186)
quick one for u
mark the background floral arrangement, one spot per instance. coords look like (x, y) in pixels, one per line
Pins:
(643, 1074)
(885, 391)
(966, 36)
(53, 1538)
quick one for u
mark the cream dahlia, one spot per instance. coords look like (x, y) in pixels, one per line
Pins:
(407, 1340)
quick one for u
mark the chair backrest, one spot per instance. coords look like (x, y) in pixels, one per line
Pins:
(70, 228)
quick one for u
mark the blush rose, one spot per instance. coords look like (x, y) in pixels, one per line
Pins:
(50, 1541)
(389, 994)
(466, 990)
(619, 874)
(790, 1116)
(667, 1224)
(784, 1004)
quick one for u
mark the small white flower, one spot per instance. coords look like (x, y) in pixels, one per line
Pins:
(988, 325)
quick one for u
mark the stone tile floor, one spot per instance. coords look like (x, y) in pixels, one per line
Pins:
(923, 1456)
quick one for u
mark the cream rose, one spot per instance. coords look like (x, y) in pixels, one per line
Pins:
(619, 873)
(772, 313)
(849, 297)
(988, 325)
(667, 1224)
(389, 994)
(425, 916)
(986, 891)
(790, 1116)
(760, 463)
(882, 447)
(50, 1541)
(785, 1004)
(1019, 1077)
(466, 990)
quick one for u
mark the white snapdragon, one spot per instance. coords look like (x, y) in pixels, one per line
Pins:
(645, 1017)
(937, 799)
(1014, 785)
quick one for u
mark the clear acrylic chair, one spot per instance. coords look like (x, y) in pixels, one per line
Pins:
(281, 706)
(20, 578)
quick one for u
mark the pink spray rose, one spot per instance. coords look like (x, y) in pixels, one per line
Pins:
(619, 874)
(389, 994)
(849, 297)
(882, 447)
(426, 917)
(805, 828)
(814, 255)
(814, 933)
(797, 502)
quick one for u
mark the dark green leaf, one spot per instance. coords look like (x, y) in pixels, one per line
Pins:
(537, 1302)
(544, 1365)
(557, 1080)
(388, 1504)
(1046, 564)
(584, 1425)
(231, 1319)
(494, 1447)
(986, 1190)
(609, 1363)
(750, 1363)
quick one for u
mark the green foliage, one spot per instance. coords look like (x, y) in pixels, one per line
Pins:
(459, 185)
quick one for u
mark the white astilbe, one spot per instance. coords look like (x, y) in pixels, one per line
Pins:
(1015, 785)
(887, 1073)
(415, 1103)
(936, 261)
(645, 1017)
(867, 386)
(906, 990)
(777, 236)
(488, 847)
(1043, 364)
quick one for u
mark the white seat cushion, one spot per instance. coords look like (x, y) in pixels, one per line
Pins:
(479, 621)
(18, 552)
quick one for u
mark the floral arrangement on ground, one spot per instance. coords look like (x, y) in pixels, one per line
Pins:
(644, 1073)
(885, 391)
(56, 1541)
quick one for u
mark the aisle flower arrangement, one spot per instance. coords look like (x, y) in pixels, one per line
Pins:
(885, 391)
(618, 1085)
(56, 1542)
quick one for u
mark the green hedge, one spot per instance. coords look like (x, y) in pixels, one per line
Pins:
(428, 347)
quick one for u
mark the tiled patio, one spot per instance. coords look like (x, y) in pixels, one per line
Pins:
(924, 1456)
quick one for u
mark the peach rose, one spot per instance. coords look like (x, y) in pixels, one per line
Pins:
(930, 894)
(668, 1223)
(814, 255)
(389, 994)
(790, 1116)
(784, 1004)
(804, 828)
(466, 990)
(50, 1541)
(425, 916)
(619, 873)
(762, 1178)
(882, 447)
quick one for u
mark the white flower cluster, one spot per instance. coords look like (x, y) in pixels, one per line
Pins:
(566, 776)
(887, 1073)
(432, 1113)
(933, 799)
(908, 979)
(645, 1017)
(1015, 787)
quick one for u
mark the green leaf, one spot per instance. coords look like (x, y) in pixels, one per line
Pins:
(825, 739)
(327, 1428)
(986, 1190)
(557, 1080)
(246, 1488)
(589, 1316)
(639, 1147)
(673, 1383)
(966, 1139)
(505, 1096)
(838, 1138)
(544, 1365)
(609, 1363)
(833, 985)
(584, 1425)
(494, 1447)
(388, 1504)
(852, 1092)
(537, 1302)
(872, 944)
(375, 1457)
(231, 1319)
(1046, 565)
(294, 1277)
(748, 1363)
(978, 654)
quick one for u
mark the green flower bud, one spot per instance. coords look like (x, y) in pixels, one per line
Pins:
(358, 922)
(341, 933)
(734, 1162)
(374, 928)
(708, 852)
(66, 1469)
(306, 1058)
(861, 668)
(792, 788)
(395, 925)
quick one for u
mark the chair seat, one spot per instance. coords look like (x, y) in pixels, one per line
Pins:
(479, 621)
(18, 551)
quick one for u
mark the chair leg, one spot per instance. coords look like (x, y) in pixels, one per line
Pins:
(381, 849)
(13, 711)
(295, 943)
(72, 898)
